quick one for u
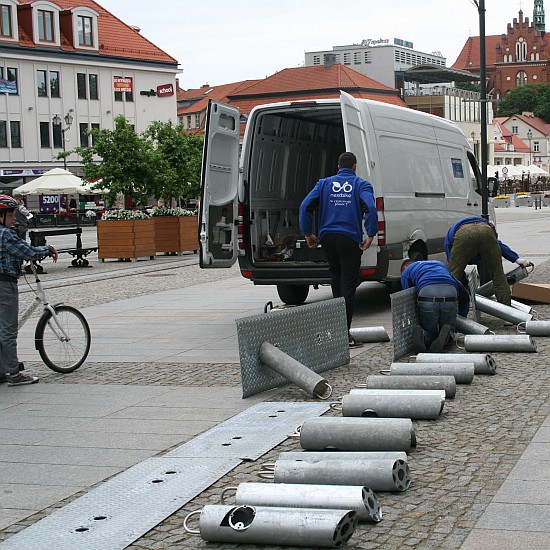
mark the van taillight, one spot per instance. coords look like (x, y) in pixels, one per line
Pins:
(381, 221)
(240, 227)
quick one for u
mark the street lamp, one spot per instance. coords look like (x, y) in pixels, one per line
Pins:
(68, 118)
(474, 143)
(530, 137)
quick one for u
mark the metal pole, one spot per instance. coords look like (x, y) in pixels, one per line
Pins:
(404, 382)
(483, 93)
(317, 456)
(463, 372)
(484, 363)
(521, 343)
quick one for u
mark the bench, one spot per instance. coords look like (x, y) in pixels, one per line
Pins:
(79, 252)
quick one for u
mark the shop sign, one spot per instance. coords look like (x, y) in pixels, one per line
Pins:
(48, 203)
(22, 172)
(8, 86)
(165, 90)
(122, 84)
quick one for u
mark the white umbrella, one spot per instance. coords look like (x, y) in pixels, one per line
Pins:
(53, 182)
(94, 187)
(534, 169)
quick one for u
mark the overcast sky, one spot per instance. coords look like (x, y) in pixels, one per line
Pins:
(218, 42)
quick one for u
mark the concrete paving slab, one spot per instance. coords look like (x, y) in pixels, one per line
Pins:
(532, 469)
(8, 517)
(536, 451)
(542, 435)
(490, 539)
(515, 517)
(190, 412)
(522, 491)
(54, 410)
(137, 426)
(18, 496)
(24, 437)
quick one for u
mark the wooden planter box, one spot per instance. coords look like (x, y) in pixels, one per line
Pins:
(126, 239)
(176, 233)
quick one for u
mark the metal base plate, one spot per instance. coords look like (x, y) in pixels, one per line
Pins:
(404, 319)
(124, 508)
(316, 335)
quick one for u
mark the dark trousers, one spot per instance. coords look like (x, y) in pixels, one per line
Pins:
(344, 260)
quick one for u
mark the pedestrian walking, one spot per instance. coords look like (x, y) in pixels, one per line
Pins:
(347, 223)
(22, 217)
(440, 297)
(471, 241)
(13, 250)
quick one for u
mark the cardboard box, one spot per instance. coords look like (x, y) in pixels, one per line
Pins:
(539, 293)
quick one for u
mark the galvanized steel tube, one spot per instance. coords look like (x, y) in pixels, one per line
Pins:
(272, 525)
(501, 311)
(469, 326)
(379, 475)
(369, 334)
(535, 328)
(398, 405)
(515, 304)
(512, 277)
(484, 363)
(358, 498)
(426, 382)
(293, 370)
(317, 456)
(517, 343)
(463, 372)
(357, 434)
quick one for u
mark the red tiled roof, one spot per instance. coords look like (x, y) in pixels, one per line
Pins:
(468, 59)
(116, 38)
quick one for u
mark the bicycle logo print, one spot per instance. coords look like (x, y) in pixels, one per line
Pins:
(338, 187)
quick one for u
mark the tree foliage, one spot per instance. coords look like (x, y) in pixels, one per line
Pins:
(163, 161)
(534, 98)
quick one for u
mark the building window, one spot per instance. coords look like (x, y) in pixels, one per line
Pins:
(3, 134)
(347, 59)
(521, 79)
(81, 85)
(57, 136)
(41, 87)
(95, 126)
(521, 49)
(45, 135)
(189, 121)
(92, 85)
(514, 130)
(536, 147)
(15, 133)
(197, 120)
(54, 84)
(316, 59)
(85, 31)
(5, 22)
(84, 137)
(45, 26)
(367, 57)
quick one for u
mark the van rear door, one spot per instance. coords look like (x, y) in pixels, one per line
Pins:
(355, 136)
(220, 175)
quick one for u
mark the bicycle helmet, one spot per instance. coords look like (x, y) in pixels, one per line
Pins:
(7, 203)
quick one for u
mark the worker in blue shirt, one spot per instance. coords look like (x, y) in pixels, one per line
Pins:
(347, 224)
(439, 298)
(13, 250)
(473, 240)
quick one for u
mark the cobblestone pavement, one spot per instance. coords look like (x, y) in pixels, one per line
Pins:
(459, 463)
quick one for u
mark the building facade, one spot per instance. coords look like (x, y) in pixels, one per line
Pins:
(377, 59)
(68, 66)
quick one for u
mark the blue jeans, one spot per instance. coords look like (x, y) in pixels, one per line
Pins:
(433, 315)
(9, 307)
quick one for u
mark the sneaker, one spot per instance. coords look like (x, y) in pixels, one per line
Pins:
(419, 345)
(21, 379)
(438, 345)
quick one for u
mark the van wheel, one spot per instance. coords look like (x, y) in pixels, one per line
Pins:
(293, 295)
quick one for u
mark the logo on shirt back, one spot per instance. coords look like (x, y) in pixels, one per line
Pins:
(338, 187)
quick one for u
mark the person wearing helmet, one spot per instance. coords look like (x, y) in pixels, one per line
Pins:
(13, 251)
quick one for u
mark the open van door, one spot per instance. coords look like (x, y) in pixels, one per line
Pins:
(355, 136)
(219, 180)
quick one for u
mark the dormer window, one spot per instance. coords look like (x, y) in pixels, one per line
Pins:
(46, 23)
(85, 31)
(84, 25)
(8, 20)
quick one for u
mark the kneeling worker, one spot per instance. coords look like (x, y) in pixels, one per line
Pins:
(438, 302)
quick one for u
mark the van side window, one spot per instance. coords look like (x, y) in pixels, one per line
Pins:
(227, 122)
(475, 173)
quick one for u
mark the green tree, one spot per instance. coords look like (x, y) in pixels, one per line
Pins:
(533, 98)
(177, 161)
(125, 161)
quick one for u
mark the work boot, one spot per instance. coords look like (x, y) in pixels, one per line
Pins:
(438, 345)
(419, 345)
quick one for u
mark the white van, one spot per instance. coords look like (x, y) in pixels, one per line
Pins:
(424, 174)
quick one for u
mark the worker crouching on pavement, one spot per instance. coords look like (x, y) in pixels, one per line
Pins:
(473, 240)
(440, 297)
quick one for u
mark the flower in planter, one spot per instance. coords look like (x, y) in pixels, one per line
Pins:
(122, 214)
(177, 211)
(90, 214)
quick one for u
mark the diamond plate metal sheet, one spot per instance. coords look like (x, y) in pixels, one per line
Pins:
(251, 433)
(316, 335)
(121, 510)
(473, 285)
(404, 319)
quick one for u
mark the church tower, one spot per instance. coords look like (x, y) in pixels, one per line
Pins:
(538, 16)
